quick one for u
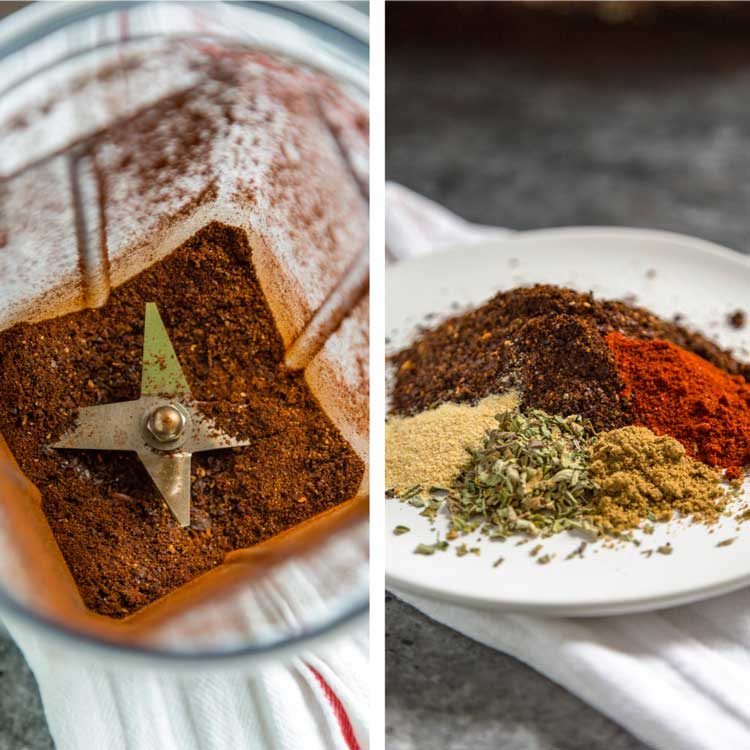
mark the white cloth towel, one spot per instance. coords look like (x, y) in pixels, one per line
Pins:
(318, 701)
(678, 679)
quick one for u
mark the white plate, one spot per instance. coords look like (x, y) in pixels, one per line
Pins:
(668, 273)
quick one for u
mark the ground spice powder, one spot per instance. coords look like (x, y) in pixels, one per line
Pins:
(119, 539)
(641, 475)
(429, 449)
(675, 392)
(546, 341)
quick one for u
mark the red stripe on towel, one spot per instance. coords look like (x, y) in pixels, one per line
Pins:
(339, 711)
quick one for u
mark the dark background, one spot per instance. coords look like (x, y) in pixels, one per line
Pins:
(537, 115)
(542, 115)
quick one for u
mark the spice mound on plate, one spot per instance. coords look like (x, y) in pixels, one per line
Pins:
(620, 412)
(428, 450)
(119, 539)
(675, 392)
(546, 341)
(539, 474)
(531, 475)
(640, 475)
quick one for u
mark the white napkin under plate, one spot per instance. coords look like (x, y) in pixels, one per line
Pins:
(678, 679)
(318, 701)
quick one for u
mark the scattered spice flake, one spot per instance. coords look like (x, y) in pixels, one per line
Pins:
(545, 559)
(665, 549)
(424, 549)
(535, 551)
(727, 542)
(430, 549)
(399, 530)
(647, 553)
(736, 319)
(498, 562)
(462, 550)
(577, 552)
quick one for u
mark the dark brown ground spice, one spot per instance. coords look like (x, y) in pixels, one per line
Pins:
(117, 535)
(547, 342)
(737, 319)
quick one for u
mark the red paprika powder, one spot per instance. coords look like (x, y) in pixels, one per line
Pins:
(675, 392)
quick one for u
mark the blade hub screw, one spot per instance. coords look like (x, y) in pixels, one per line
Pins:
(166, 423)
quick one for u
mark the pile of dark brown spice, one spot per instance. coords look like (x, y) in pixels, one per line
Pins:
(544, 341)
(118, 537)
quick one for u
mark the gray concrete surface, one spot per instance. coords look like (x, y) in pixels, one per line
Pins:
(445, 691)
(22, 724)
(543, 124)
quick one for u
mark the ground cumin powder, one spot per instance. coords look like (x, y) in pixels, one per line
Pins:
(119, 539)
(429, 449)
(641, 475)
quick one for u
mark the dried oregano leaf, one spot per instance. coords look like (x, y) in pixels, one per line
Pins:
(530, 476)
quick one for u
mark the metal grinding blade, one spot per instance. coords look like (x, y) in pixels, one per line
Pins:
(164, 426)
